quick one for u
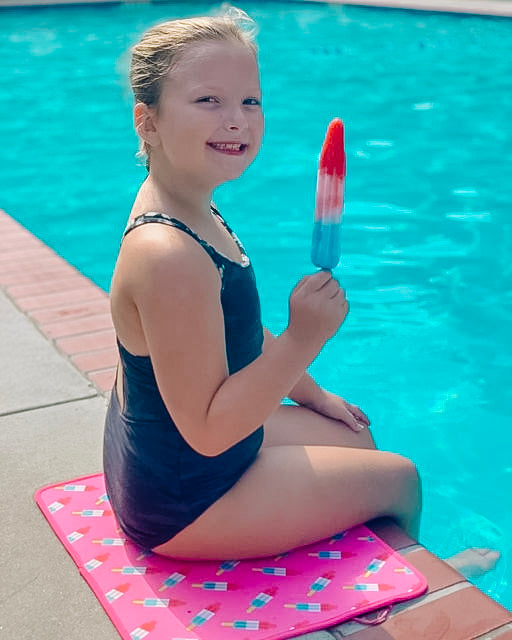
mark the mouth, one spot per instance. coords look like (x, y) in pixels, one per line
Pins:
(229, 148)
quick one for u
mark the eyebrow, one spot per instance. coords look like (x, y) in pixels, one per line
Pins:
(214, 89)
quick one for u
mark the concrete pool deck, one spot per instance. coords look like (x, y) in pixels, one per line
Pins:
(502, 8)
(58, 355)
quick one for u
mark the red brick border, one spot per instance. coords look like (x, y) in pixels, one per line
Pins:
(66, 307)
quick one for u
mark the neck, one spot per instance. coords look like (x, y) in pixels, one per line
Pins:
(177, 196)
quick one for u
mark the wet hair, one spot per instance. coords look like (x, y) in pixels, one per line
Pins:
(162, 46)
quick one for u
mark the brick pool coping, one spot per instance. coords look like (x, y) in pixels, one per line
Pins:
(64, 305)
(73, 313)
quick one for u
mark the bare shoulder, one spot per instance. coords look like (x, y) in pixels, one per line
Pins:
(155, 255)
(161, 274)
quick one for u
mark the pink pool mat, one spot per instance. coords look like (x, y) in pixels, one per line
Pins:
(147, 596)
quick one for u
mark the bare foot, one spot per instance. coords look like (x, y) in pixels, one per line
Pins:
(473, 563)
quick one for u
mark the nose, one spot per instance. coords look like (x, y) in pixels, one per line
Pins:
(235, 119)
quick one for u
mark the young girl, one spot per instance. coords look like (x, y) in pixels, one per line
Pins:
(201, 459)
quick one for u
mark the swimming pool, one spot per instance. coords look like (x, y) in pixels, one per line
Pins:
(427, 231)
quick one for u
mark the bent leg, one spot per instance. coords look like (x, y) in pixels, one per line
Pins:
(295, 495)
(291, 424)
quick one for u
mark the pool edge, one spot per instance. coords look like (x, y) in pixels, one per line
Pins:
(64, 305)
(492, 8)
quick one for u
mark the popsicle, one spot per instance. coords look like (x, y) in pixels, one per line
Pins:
(326, 244)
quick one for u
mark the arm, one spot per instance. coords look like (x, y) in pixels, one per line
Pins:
(175, 288)
(306, 392)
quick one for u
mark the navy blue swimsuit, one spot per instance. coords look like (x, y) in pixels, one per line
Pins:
(156, 482)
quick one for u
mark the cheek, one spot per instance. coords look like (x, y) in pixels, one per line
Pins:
(256, 124)
(261, 123)
(260, 126)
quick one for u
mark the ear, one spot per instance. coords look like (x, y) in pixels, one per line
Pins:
(144, 120)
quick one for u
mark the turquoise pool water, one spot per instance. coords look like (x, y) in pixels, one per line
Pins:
(427, 231)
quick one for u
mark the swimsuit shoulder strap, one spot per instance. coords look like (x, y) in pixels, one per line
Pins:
(163, 218)
(245, 257)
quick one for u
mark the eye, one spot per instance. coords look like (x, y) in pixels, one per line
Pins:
(252, 102)
(208, 100)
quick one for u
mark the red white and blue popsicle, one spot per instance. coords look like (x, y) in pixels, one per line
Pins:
(77, 534)
(175, 578)
(134, 571)
(215, 585)
(326, 244)
(263, 598)
(203, 616)
(143, 630)
(253, 625)
(117, 592)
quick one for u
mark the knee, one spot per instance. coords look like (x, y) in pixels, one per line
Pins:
(405, 496)
(366, 440)
(409, 477)
(403, 476)
(359, 440)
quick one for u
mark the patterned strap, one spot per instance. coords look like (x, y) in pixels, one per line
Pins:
(215, 255)
(245, 257)
(163, 218)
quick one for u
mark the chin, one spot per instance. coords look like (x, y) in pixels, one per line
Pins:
(229, 176)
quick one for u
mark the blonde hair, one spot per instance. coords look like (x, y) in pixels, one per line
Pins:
(162, 46)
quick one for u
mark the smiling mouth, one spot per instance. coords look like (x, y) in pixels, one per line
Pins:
(231, 148)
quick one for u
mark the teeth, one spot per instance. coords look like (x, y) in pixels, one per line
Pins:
(225, 146)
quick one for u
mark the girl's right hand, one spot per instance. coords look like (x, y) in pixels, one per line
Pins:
(318, 308)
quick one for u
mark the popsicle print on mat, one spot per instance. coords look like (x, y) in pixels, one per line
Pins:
(154, 598)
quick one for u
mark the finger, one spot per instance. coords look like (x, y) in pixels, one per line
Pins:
(349, 420)
(330, 289)
(319, 279)
(331, 285)
(300, 284)
(353, 424)
(339, 293)
(342, 302)
(358, 414)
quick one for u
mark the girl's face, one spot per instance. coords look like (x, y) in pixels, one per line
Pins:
(209, 119)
